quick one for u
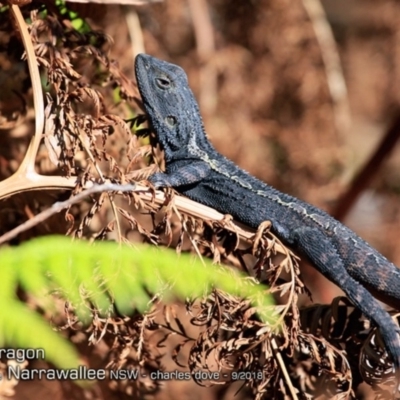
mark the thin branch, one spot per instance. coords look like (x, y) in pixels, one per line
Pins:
(282, 365)
(59, 206)
(184, 204)
(27, 167)
(204, 34)
(333, 68)
(369, 170)
(26, 175)
(135, 31)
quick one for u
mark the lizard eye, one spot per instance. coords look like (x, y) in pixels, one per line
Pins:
(163, 83)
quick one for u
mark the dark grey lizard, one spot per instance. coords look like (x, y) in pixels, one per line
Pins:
(199, 172)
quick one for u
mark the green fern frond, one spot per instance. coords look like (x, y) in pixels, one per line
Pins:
(100, 275)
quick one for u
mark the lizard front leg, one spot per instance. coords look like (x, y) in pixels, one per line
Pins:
(324, 256)
(181, 173)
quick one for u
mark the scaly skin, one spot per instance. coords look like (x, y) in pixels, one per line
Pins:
(198, 171)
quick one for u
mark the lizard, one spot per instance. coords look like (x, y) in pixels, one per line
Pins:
(195, 169)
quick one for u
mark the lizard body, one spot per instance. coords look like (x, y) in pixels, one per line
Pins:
(195, 169)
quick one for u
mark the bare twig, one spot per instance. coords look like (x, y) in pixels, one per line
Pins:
(369, 170)
(135, 31)
(183, 204)
(204, 34)
(26, 178)
(59, 206)
(331, 59)
(27, 167)
(284, 370)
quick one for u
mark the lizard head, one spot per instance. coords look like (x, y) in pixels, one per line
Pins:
(168, 101)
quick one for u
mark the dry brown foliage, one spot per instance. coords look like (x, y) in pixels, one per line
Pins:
(93, 133)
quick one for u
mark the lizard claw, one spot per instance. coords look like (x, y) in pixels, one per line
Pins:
(159, 180)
